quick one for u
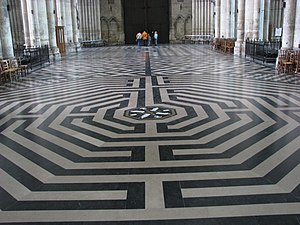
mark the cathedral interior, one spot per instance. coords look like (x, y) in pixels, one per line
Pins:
(201, 129)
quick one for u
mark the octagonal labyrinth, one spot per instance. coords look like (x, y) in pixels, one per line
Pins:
(142, 149)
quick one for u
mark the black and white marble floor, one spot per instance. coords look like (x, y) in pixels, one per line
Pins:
(177, 134)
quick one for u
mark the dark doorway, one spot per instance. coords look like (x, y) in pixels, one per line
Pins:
(149, 15)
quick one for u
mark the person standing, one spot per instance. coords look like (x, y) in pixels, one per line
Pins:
(149, 39)
(156, 38)
(145, 37)
(138, 39)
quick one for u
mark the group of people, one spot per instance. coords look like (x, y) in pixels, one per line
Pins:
(147, 38)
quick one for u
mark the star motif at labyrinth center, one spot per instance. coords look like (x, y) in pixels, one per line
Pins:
(150, 113)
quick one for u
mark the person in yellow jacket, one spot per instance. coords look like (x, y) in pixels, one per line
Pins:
(145, 37)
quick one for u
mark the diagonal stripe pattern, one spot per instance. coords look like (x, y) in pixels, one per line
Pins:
(73, 151)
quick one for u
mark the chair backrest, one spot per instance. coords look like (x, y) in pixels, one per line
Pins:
(291, 56)
(297, 56)
(14, 63)
(5, 64)
(282, 54)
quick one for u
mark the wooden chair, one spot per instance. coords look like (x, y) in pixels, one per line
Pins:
(216, 44)
(285, 61)
(281, 58)
(3, 75)
(223, 45)
(288, 65)
(11, 72)
(297, 62)
(22, 68)
(229, 45)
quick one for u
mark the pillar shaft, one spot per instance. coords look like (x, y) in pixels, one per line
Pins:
(223, 18)
(43, 23)
(26, 23)
(248, 19)
(68, 26)
(266, 20)
(15, 13)
(289, 24)
(217, 19)
(297, 26)
(240, 28)
(1, 56)
(256, 18)
(5, 31)
(227, 18)
(36, 25)
(51, 28)
(74, 21)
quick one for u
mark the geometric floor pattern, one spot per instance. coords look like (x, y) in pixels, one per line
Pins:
(73, 153)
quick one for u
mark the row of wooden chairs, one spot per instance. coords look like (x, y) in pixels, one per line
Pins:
(12, 69)
(288, 61)
(224, 44)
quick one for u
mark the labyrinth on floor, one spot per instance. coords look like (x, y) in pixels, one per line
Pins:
(177, 134)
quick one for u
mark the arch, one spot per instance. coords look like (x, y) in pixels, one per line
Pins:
(188, 25)
(104, 29)
(179, 26)
(114, 28)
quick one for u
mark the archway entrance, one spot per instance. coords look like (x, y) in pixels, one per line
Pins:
(149, 15)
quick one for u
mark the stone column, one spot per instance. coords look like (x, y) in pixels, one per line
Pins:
(248, 19)
(25, 23)
(194, 16)
(227, 18)
(79, 11)
(64, 20)
(240, 28)
(1, 56)
(256, 18)
(58, 14)
(217, 19)
(266, 20)
(51, 30)
(297, 26)
(36, 25)
(15, 15)
(5, 31)
(43, 23)
(212, 22)
(89, 20)
(233, 19)
(69, 26)
(223, 18)
(74, 24)
(198, 25)
(197, 19)
(202, 18)
(289, 24)
(98, 20)
(205, 17)
(92, 20)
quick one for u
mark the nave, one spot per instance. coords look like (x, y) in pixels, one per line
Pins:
(177, 134)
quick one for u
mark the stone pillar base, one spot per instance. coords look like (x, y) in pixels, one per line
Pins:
(239, 48)
(54, 54)
(70, 47)
(73, 47)
(77, 46)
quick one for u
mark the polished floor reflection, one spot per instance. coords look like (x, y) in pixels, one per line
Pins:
(178, 134)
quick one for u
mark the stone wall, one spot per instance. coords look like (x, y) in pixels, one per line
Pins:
(112, 22)
(180, 20)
